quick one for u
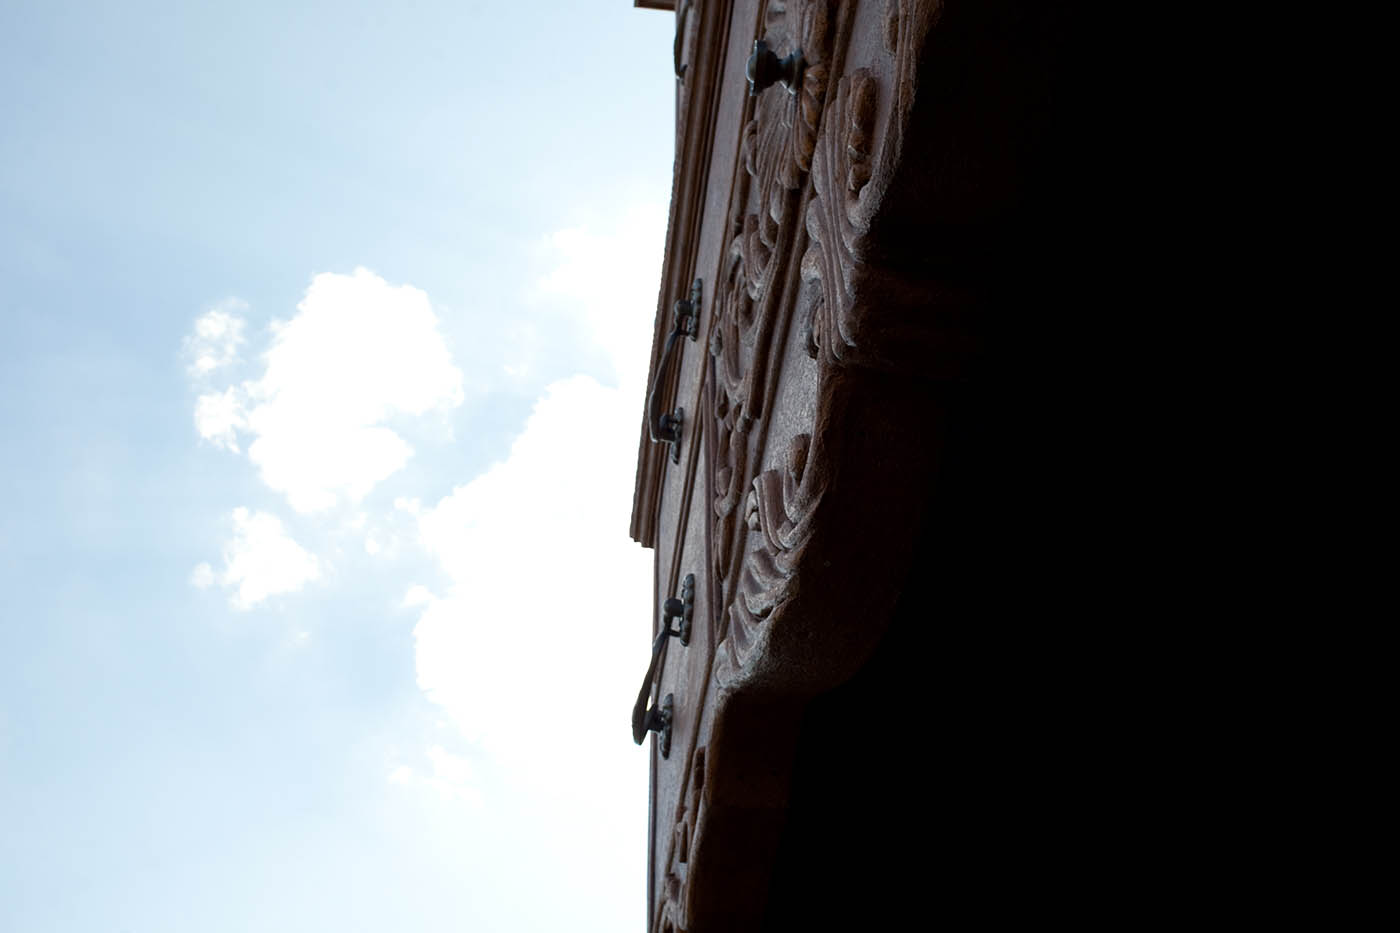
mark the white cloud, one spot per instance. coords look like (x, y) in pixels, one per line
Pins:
(607, 277)
(358, 353)
(218, 333)
(219, 416)
(202, 577)
(449, 767)
(536, 649)
(449, 775)
(534, 644)
(417, 595)
(260, 561)
(537, 644)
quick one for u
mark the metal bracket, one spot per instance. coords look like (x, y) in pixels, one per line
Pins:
(688, 309)
(659, 721)
(765, 69)
(667, 427)
(682, 609)
(651, 719)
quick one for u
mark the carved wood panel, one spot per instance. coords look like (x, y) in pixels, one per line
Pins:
(779, 140)
(794, 259)
(818, 165)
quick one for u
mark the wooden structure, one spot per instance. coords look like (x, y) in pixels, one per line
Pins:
(825, 471)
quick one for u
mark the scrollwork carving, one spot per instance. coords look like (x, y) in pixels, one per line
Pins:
(780, 511)
(851, 174)
(777, 148)
(852, 156)
(672, 912)
(731, 389)
(838, 217)
(779, 139)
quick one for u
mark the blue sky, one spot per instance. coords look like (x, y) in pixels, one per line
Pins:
(325, 338)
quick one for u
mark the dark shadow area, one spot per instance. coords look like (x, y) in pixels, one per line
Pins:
(944, 780)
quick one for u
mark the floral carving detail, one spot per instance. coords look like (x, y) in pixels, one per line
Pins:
(779, 139)
(838, 218)
(780, 511)
(851, 173)
(731, 388)
(776, 151)
(851, 150)
(672, 912)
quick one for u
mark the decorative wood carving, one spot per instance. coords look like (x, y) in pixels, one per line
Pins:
(843, 237)
(777, 147)
(851, 174)
(838, 218)
(672, 912)
(779, 511)
(850, 171)
(731, 387)
(779, 139)
(860, 306)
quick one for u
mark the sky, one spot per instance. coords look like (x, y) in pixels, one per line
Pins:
(325, 333)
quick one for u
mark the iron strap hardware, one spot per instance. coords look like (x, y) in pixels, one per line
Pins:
(765, 69)
(658, 719)
(667, 427)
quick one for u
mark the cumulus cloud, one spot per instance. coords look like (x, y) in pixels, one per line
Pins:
(218, 333)
(417, 595)
(219, 416)
(544, 625)
(533, 640)
(358, 353)
(606, 277)
(202, 577)
(448, 774)
(535, 646)
(260, 560)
